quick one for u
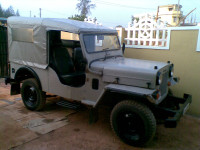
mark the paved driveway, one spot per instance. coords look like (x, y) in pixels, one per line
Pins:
(60, 128)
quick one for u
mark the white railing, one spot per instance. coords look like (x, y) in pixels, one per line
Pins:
(147, 33)
(92, 20)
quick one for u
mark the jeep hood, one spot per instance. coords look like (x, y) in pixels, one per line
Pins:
(135, 72)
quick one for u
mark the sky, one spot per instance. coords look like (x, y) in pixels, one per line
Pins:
(109, 13)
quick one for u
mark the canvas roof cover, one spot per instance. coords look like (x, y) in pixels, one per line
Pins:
(27, 37)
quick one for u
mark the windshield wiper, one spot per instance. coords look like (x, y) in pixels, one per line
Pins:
(106, 53)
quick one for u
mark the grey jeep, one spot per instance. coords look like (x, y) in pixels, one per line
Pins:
(85, 63)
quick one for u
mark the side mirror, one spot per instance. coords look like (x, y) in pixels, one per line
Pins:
(123, 48)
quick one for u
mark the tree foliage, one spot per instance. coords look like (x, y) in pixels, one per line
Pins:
(8, 12)
(17, 13)
(1, 11)
(77, 17)
(84, 7)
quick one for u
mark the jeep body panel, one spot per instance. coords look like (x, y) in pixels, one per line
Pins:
(86, 92)
(126, 71)
(127, 90)
(41, 73)
(50, 83)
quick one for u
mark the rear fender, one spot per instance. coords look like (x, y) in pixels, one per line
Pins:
(22, 74)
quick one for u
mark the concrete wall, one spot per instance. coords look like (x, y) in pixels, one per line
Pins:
(186, 59)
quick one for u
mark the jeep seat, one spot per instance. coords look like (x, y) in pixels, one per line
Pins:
(63, 65)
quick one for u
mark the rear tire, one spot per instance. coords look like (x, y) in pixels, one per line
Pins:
(33, 97)
(133, 123)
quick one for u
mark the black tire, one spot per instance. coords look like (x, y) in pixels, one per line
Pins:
(33, 97)
(133, 122)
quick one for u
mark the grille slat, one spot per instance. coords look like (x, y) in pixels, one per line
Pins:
(163, 86)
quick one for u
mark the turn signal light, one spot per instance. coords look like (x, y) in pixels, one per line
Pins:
(156, 95)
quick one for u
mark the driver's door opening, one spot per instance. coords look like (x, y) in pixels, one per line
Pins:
(66, 58)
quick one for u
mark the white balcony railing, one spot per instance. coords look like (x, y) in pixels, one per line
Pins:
(147, 33)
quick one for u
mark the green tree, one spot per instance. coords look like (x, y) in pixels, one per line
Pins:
(1, 11)
(17, 13)
(8, 12)
(84, 7)
(77, 17)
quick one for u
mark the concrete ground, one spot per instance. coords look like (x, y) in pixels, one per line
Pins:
(60, 128)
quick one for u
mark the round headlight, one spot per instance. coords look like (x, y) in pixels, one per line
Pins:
(171, 71)
(159, 78)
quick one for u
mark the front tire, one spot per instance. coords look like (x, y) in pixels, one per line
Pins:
(33, 97)
(133, 122)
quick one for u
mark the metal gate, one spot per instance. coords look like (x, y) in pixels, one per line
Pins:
(3, 52)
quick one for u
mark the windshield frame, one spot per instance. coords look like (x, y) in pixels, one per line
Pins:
(102, 51)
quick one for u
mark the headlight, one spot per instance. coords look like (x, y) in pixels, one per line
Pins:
(171, 70)
(159, 78)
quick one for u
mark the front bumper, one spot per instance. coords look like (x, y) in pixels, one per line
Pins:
(172, 109)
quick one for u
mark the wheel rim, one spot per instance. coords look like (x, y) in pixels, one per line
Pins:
(30, 96)
(130, 126)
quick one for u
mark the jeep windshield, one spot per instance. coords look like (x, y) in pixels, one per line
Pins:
(101, 42)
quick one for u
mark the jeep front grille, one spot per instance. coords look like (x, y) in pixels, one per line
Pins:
(163, 86)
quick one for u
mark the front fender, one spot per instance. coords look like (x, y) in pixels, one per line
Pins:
(124, 89)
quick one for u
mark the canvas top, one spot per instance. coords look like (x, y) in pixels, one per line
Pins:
(58, 24)
(27, 38)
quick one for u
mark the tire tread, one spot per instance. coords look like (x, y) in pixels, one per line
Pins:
(41, 93)
(145, 111)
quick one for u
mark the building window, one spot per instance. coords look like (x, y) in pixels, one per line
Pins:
(170, 9)
(174, 19)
